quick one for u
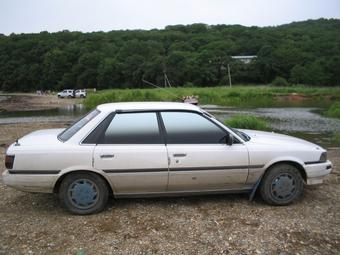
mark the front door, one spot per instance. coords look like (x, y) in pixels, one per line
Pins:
(200, 160)
(133, 154)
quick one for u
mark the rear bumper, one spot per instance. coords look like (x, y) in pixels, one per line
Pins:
(317, 172)
(43, 183)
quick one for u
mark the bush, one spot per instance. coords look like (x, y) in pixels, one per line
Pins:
(247, 122)
(234, 94)
(280, 82)
(189, 85)
(334, 110)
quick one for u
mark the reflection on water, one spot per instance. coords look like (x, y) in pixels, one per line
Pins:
(67, 113)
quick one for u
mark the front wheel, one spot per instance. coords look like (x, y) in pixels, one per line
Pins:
(281, 185)
(83, 193)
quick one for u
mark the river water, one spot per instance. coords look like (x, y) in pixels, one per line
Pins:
(303, 122)
(63, 114)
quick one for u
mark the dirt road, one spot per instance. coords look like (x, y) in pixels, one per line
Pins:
(28, 102)
(223, 224)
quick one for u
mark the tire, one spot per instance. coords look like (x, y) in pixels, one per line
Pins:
(69, 96)
(83, 193)
(282, 184)
(82, 96)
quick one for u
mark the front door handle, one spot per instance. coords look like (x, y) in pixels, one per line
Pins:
(107, 156)
(179, 155)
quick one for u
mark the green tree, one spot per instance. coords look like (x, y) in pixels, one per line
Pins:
(297, 74)
(108, 74)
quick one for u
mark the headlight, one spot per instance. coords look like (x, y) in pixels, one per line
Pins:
(323, 157)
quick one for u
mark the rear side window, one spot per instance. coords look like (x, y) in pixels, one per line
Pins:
(74, 128)
(132, 128)
(191, 128)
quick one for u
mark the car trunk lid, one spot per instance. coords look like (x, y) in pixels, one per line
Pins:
(41, 137)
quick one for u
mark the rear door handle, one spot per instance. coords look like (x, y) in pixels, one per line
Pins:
(107, 156)
(178, 155)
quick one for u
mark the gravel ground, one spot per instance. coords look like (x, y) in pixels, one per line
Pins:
(219, 224)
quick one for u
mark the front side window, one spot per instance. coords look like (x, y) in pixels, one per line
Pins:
(191, 128)
(74, 128)
(132, 128)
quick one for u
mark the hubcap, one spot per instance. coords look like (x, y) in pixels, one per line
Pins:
(283, 186)
(83, 193)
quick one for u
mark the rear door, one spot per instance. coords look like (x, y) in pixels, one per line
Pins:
(200, 160)
(132, 152)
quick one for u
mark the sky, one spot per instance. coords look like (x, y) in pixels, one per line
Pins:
(33, 16)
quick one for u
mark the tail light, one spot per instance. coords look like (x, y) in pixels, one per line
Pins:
(9, 161)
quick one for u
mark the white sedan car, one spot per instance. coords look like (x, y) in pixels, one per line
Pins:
(155, 149)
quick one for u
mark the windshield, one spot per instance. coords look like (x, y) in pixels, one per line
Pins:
(75, 127)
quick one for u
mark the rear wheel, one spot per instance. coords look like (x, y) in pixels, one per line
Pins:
(281, 185)
(83, 193)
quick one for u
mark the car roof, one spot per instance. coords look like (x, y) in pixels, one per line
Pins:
(131, 106)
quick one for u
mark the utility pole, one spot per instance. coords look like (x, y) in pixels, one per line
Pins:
(229, 75)
(166, 81)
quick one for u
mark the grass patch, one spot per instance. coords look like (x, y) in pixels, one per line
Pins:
(247, 122)
(334, 110)
(238, 96)
(336, 137)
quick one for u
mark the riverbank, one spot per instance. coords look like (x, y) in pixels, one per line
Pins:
(33, 102)
(237, 96)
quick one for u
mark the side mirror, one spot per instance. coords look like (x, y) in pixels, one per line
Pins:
(229, 139)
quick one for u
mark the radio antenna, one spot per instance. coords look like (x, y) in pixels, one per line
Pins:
(158, 87)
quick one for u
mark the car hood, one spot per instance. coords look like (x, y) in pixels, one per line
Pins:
(41, 137)
(271, 138)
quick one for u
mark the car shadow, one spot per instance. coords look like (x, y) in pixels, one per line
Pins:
(43, 203)
(180, 200)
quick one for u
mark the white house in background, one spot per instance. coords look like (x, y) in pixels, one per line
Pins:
(244, 59)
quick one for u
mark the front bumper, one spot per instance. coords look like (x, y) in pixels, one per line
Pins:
(317, 172)
(43, 183)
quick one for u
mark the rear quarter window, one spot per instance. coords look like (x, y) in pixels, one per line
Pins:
(74, 128)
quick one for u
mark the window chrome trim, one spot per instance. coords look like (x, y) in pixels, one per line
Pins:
(113, 114)
(206, 116)
(161, 125)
